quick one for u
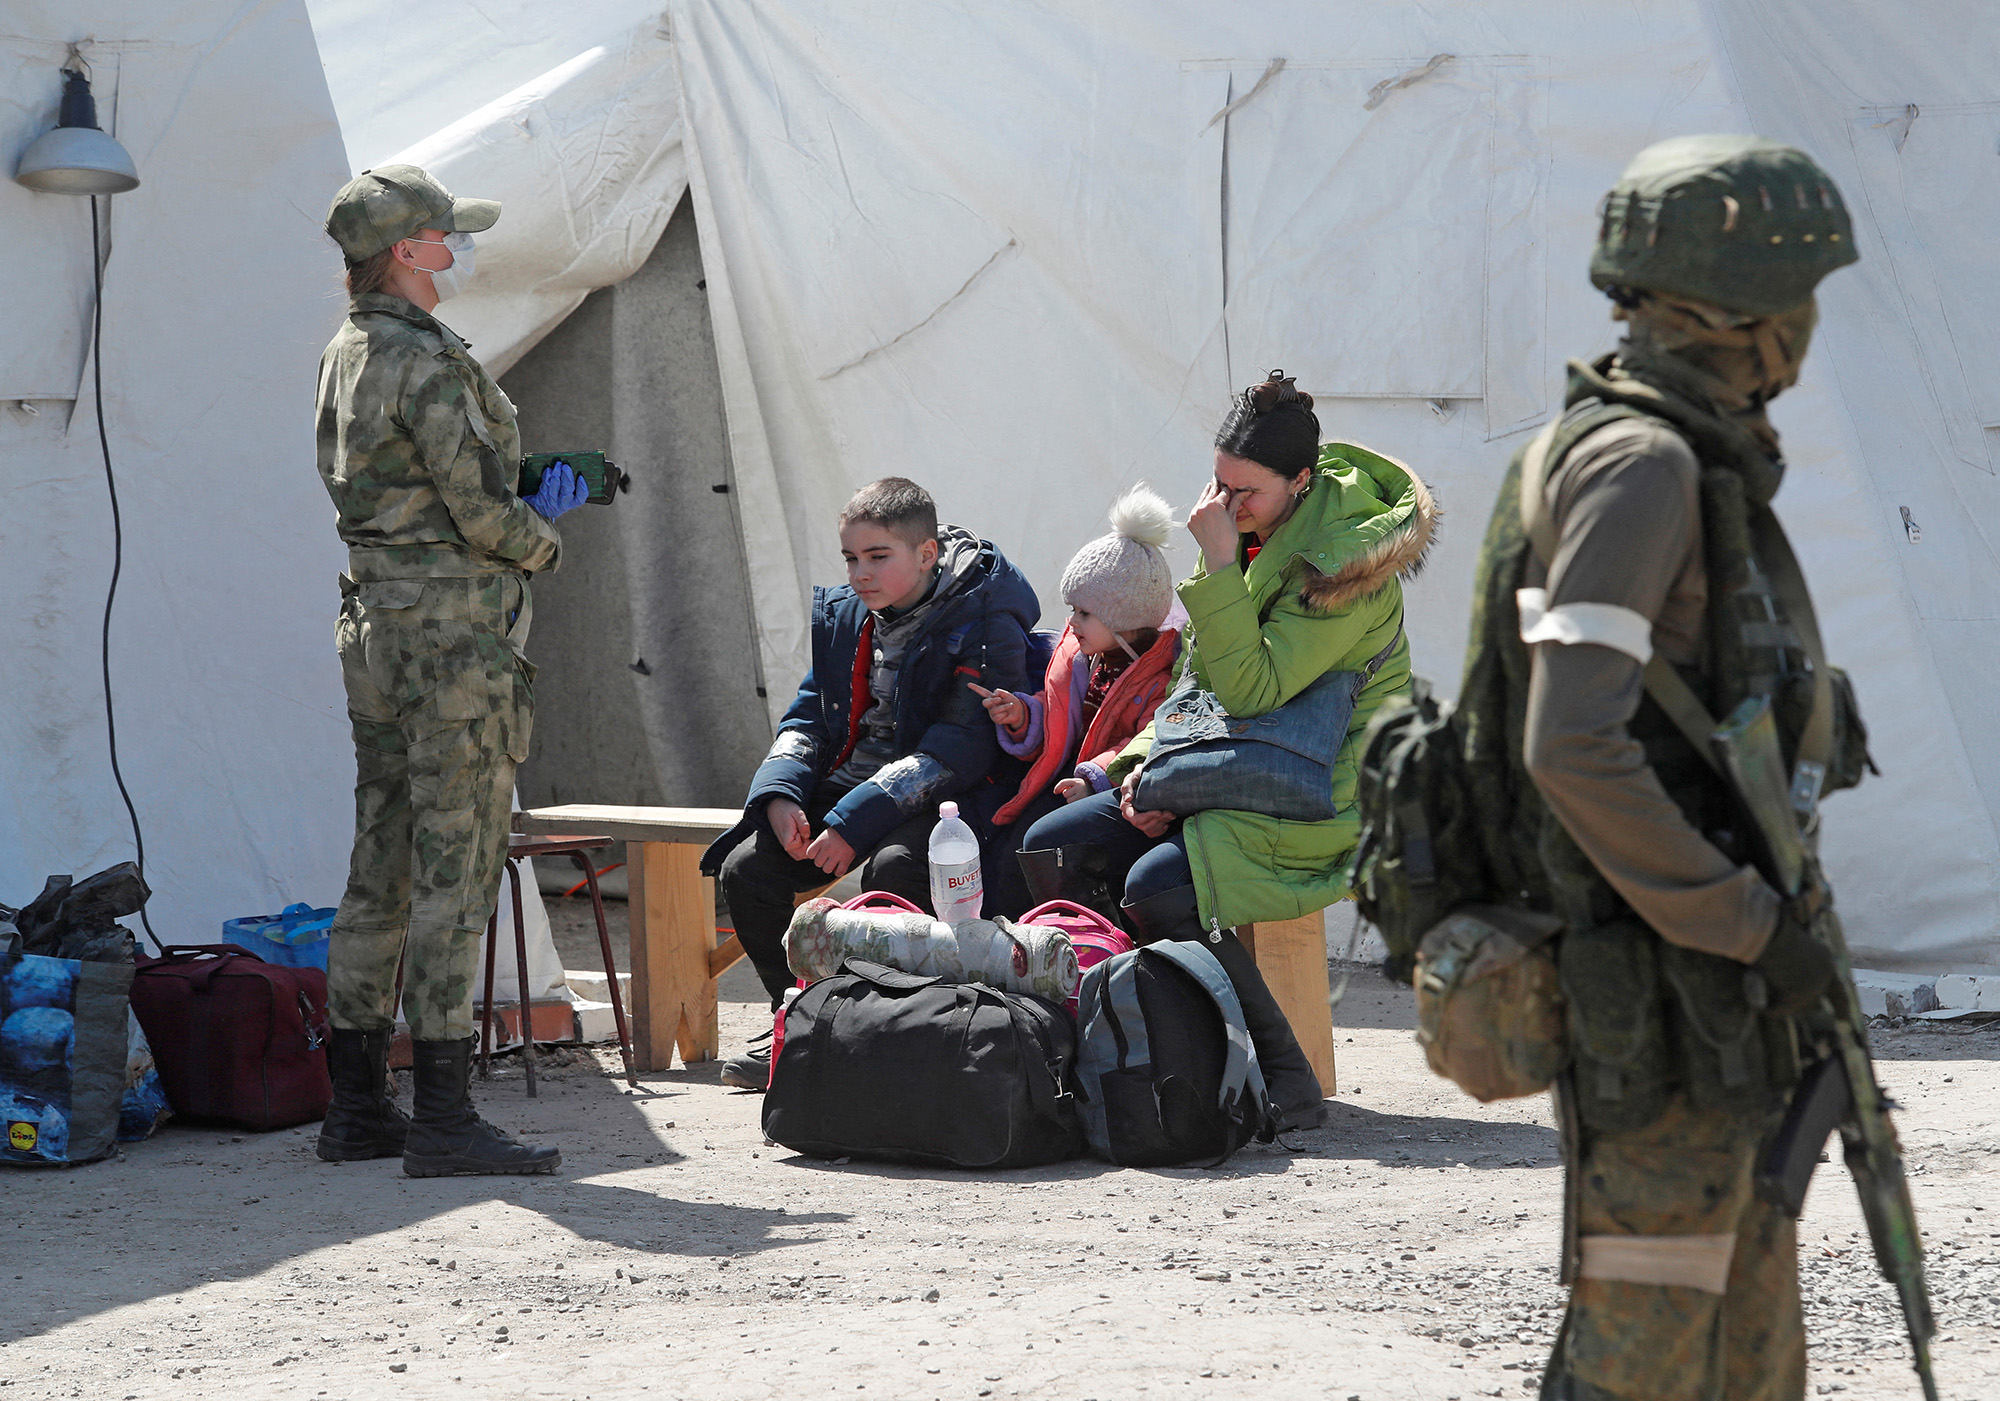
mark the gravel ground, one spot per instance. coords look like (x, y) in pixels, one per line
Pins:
(1406, 1251)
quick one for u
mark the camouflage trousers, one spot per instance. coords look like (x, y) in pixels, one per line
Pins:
(439, 699)
(1688, 1288)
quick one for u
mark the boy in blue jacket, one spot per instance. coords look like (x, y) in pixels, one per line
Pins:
(885, 727)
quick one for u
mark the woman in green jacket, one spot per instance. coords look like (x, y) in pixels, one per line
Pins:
(1303, 548)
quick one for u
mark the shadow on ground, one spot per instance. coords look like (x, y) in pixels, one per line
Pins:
(1424, 1140)
(221, 1204)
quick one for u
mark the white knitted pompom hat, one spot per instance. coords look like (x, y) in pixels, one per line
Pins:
(1123, 578)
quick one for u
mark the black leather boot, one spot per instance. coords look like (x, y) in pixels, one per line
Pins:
(1288, 1075)
(1172, 914)
(363, 1121)
(447, 1139)
(1075, 873)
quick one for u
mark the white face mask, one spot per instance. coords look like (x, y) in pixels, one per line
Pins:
(451, 280)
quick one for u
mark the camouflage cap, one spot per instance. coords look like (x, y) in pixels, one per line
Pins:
(391, 202)
(1736, 221)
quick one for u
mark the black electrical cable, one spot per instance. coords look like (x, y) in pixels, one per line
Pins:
(117, 546)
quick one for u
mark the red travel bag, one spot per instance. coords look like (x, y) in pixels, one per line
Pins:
(236, 1039)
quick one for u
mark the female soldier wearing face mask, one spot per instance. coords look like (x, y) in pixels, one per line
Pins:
(418, 448)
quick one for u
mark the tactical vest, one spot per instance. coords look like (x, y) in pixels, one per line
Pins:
(1646, 1016)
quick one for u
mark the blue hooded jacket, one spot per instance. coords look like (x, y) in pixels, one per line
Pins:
(976, 630)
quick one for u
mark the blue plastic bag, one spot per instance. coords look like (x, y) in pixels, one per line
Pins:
(67, 1059)
(296, 937)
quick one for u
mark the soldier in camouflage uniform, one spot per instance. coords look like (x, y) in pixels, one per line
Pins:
(419, 450)
(1634, 551)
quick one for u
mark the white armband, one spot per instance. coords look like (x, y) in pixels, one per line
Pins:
(1606, 624)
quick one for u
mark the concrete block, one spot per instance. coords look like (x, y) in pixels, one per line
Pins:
(553, 1023)
(1969, 992)
(589, 983)
(1895, 994)
(595, 1024)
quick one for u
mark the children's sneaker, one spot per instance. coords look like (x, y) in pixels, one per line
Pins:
(752, 1069)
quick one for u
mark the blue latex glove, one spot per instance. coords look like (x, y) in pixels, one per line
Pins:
(561, 490)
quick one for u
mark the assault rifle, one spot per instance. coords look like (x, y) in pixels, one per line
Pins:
(1839, 1090)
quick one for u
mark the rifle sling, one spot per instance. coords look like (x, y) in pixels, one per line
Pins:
(1682, 706)
(1788, 584)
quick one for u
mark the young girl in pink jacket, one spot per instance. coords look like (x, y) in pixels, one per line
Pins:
(1110, 670)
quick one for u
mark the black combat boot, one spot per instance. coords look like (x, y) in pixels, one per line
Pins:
(1074, 873)
(447, 1139)
(363, 1121)
(1288, 1075)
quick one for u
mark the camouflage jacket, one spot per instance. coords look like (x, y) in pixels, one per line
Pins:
(418, 448)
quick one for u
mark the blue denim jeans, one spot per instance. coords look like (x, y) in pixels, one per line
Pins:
(1141, 865)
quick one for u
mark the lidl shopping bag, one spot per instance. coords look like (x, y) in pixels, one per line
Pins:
(65, 1051)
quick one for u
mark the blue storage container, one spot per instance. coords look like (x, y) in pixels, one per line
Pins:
(296, 937)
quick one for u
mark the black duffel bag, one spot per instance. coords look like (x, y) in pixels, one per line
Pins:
(883, 1064)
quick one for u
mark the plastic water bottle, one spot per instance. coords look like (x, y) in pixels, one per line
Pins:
(956, 890)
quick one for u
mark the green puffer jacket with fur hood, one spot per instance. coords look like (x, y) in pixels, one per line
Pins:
(1323, 594)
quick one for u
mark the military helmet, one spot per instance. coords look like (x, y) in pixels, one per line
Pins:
(1737, 221)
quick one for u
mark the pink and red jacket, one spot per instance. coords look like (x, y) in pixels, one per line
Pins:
(1052, 744)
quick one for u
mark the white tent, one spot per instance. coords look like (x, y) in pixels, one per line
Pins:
(1023, 253)
(220, 289)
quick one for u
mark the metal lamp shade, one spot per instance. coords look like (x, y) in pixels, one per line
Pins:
(77, 160)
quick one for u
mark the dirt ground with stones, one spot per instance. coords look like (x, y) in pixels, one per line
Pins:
(1405, 1252)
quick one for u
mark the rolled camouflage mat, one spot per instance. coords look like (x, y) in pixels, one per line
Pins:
(1012, 957)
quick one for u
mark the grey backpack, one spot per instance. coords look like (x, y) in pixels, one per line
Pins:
(1166, 1073)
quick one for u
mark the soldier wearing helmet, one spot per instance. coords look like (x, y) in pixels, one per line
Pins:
(1639, 566)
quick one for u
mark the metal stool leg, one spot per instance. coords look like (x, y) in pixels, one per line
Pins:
(582, 859)
(521, 963)
(486, 1007)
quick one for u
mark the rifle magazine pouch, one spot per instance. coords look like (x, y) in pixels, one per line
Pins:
(1720, 1035)
(1618, 1033)
(1784, 1059)
(1490, 1003)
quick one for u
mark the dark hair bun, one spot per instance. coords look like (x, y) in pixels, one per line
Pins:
(1272, 424)
(1277, 389)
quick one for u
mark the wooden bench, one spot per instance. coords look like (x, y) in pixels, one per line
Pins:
(1291, 955)
(675, 959)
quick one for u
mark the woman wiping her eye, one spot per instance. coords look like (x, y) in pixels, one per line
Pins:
(1302, 546)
